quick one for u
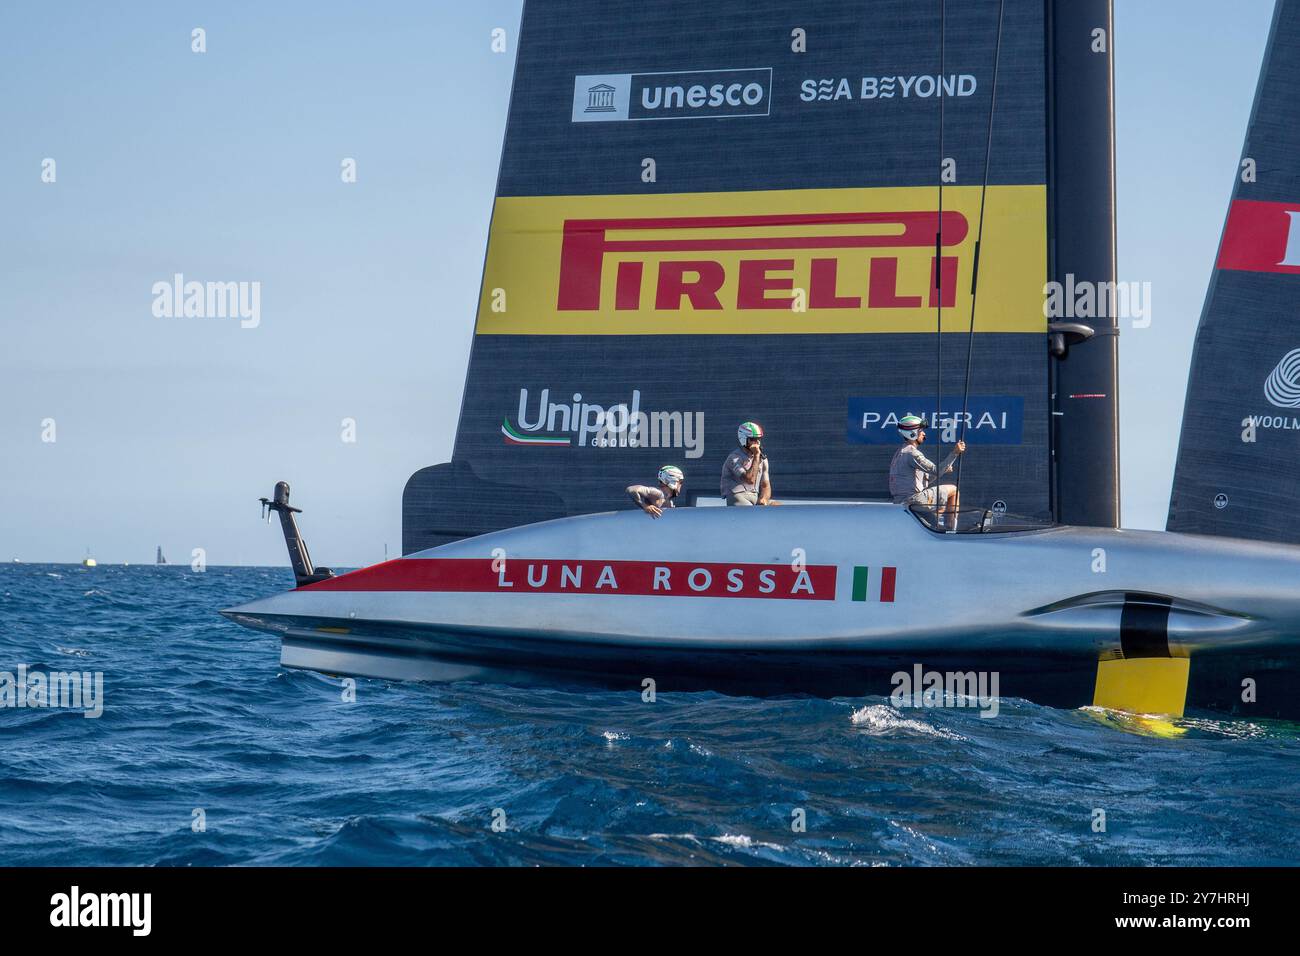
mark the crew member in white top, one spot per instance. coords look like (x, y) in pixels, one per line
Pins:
(913, 477)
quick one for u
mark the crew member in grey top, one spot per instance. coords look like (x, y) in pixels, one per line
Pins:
(746, 475)
(653, 501)
(913, 477)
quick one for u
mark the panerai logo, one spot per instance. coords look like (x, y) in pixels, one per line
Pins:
(75, 908)
(622, 425)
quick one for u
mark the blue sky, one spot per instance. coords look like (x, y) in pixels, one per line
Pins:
(228, 164)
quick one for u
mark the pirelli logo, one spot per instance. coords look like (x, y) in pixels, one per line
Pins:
(794, 261)
(764, 278)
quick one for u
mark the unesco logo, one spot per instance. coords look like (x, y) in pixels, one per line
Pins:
(690, 94)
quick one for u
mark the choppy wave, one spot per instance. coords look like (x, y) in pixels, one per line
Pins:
(208, 753)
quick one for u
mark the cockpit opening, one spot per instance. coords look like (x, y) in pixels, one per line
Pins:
(976, 520)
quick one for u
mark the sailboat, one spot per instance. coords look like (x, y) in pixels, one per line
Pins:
(159, 559)
(753, 229)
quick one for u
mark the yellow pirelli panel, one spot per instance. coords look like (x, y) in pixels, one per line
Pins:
(768, 262)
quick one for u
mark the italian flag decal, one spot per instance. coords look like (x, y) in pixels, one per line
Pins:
(862, 581)
(514, 438)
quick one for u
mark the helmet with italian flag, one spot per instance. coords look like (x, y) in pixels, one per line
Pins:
(671, 476)
(909, 426)
(748, 430)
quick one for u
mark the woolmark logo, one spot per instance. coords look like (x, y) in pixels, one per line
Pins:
(692, 94)
(1282, 387)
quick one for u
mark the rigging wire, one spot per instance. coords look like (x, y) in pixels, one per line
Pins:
(979, 236)
(938, 242)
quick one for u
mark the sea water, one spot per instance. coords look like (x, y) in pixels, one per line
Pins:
(207, 752)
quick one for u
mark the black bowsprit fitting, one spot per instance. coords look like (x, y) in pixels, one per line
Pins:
(303, 570)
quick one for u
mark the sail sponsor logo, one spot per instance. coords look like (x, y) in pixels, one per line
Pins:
(770, 262)
(691, 94)
(1283, 423)
(988, 419)
(1261, 237)
(764, 280)
(807, 582)
(917, 86)
(585, 424)
(1282, 387)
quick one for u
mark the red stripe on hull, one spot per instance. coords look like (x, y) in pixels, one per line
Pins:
(887, 578)
(553, 576)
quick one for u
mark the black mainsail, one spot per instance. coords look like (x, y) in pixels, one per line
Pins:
(707, 214)
(1235, 474)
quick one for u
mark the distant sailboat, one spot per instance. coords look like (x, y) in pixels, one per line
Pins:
(160, 559)
(88, 561)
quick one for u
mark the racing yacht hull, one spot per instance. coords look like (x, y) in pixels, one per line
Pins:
(835, 599)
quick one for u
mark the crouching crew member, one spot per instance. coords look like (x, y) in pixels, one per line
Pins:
(654, 500)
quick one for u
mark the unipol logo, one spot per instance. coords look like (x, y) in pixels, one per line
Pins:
(1282, 387)
(621, 425)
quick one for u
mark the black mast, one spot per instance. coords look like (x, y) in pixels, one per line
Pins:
(1081, 197)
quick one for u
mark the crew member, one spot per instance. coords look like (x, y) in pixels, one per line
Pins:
(746, 476)
(653, 501)
(913, 477)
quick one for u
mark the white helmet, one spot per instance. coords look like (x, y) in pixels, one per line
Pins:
(748, 430)
(671, 476)
(910, 426)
